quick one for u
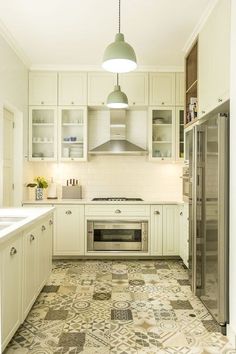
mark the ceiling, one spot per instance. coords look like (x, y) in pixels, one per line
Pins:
(76, 32)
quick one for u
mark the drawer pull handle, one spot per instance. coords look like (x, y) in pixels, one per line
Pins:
(43, 228)
(32, 238)
(117, 211)
(220, 100)
(68, 212)
(13, 251)
(42, 102)
(72, 102)
(157, 212)
(50, 222)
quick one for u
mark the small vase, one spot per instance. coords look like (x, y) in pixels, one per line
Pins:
(38, 193)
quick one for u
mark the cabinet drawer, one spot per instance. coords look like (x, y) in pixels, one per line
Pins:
(118, 210)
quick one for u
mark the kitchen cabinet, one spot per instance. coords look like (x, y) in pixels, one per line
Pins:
(183, 233)
(179, 89)
(69, 230)
(42, 88)
(11, 288)
(30, 268)
(121, 210)
(42, 133)
(100, 85)
(135, 86)
(179, 116)
(162, 133)
(72, 134)
(72, 89)
(45, 251)
(214, 58)
(170, 230)
(162, 89)
(156, 230)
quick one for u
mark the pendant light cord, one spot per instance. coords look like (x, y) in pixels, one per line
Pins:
(119, 16)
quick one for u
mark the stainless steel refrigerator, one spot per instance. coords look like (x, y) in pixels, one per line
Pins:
(207, 145)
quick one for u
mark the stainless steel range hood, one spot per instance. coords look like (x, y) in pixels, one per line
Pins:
(118, 145)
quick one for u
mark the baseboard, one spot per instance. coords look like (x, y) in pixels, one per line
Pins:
(231, 334)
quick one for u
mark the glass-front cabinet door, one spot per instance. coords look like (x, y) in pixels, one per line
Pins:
(42, 133)
(162, 133)
(72, 133)
(179, 133)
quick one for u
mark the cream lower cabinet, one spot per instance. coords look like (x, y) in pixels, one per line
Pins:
(69, 230)
(11, 289)
(45, 251)
(165, 221)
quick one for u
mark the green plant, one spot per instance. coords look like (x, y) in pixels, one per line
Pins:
(41, 182)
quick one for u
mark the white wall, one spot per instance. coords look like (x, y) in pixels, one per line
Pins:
(14, 96)
(232, 327)
(118, 176)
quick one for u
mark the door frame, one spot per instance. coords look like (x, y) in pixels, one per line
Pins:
(18, 153)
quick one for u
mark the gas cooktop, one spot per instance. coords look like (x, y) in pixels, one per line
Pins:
(117, 199)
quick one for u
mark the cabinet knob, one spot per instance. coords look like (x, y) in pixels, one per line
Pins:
(72, 102)
(42, 158)
(13, 251)
(32, 238)
(220, 100)
(157, 212)
(68, 212)
(203, 112)
(133, 103)
(162, 102)
(117, 211)
(50, 222)
(42, 102)
(43, 228)
(103, 103)
(72, 159)
(181, 213)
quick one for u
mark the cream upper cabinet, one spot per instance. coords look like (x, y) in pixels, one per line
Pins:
(162, 89)
(72, 89)
(43, 88)
(135, 86)
(214, 58)
(179, 89)
(100, 85)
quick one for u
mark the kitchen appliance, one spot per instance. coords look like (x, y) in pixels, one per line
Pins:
(117, 199)
(117, 235)
(118, 144)
(208, 214)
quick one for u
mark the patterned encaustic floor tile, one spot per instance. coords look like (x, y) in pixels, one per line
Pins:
(118, 307)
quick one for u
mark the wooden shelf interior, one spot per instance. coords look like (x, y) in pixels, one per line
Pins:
(191, 84)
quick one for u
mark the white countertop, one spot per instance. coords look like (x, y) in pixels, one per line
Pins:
(89, 201)
(29, 215)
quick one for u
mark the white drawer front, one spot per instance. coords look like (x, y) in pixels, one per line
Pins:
(117, 210)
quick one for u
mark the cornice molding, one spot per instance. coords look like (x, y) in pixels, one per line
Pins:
(88, 68)
(7, 36)
(199, 26)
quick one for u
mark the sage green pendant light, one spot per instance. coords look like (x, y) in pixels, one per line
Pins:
(117, 98)
(119, 56)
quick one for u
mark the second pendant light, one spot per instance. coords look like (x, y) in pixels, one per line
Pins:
(117, 98)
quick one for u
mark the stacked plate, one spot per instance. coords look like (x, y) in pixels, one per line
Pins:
(76, 150)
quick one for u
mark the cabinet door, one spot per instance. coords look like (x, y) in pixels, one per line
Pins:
(43, 133)
(179, 89)
(170, 230)
(30, 269)
(42, 88)
(214, 58)
(100, 85)
(162, 89)
(72, 133)
(45, 248)
(162, 133)
(72, 89)
(11, 280)
(156, 230)
(69, 230)
(135, 86)
(179, 118)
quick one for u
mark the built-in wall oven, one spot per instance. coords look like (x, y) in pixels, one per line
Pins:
(116, 235)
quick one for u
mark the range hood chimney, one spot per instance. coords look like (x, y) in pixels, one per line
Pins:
(118, 145)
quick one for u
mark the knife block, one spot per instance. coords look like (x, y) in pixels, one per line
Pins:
(71, 192)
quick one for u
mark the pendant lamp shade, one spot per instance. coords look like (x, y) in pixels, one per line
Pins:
(117, 98)
(119, 56)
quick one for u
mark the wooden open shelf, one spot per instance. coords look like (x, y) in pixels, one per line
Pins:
(191, 83)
